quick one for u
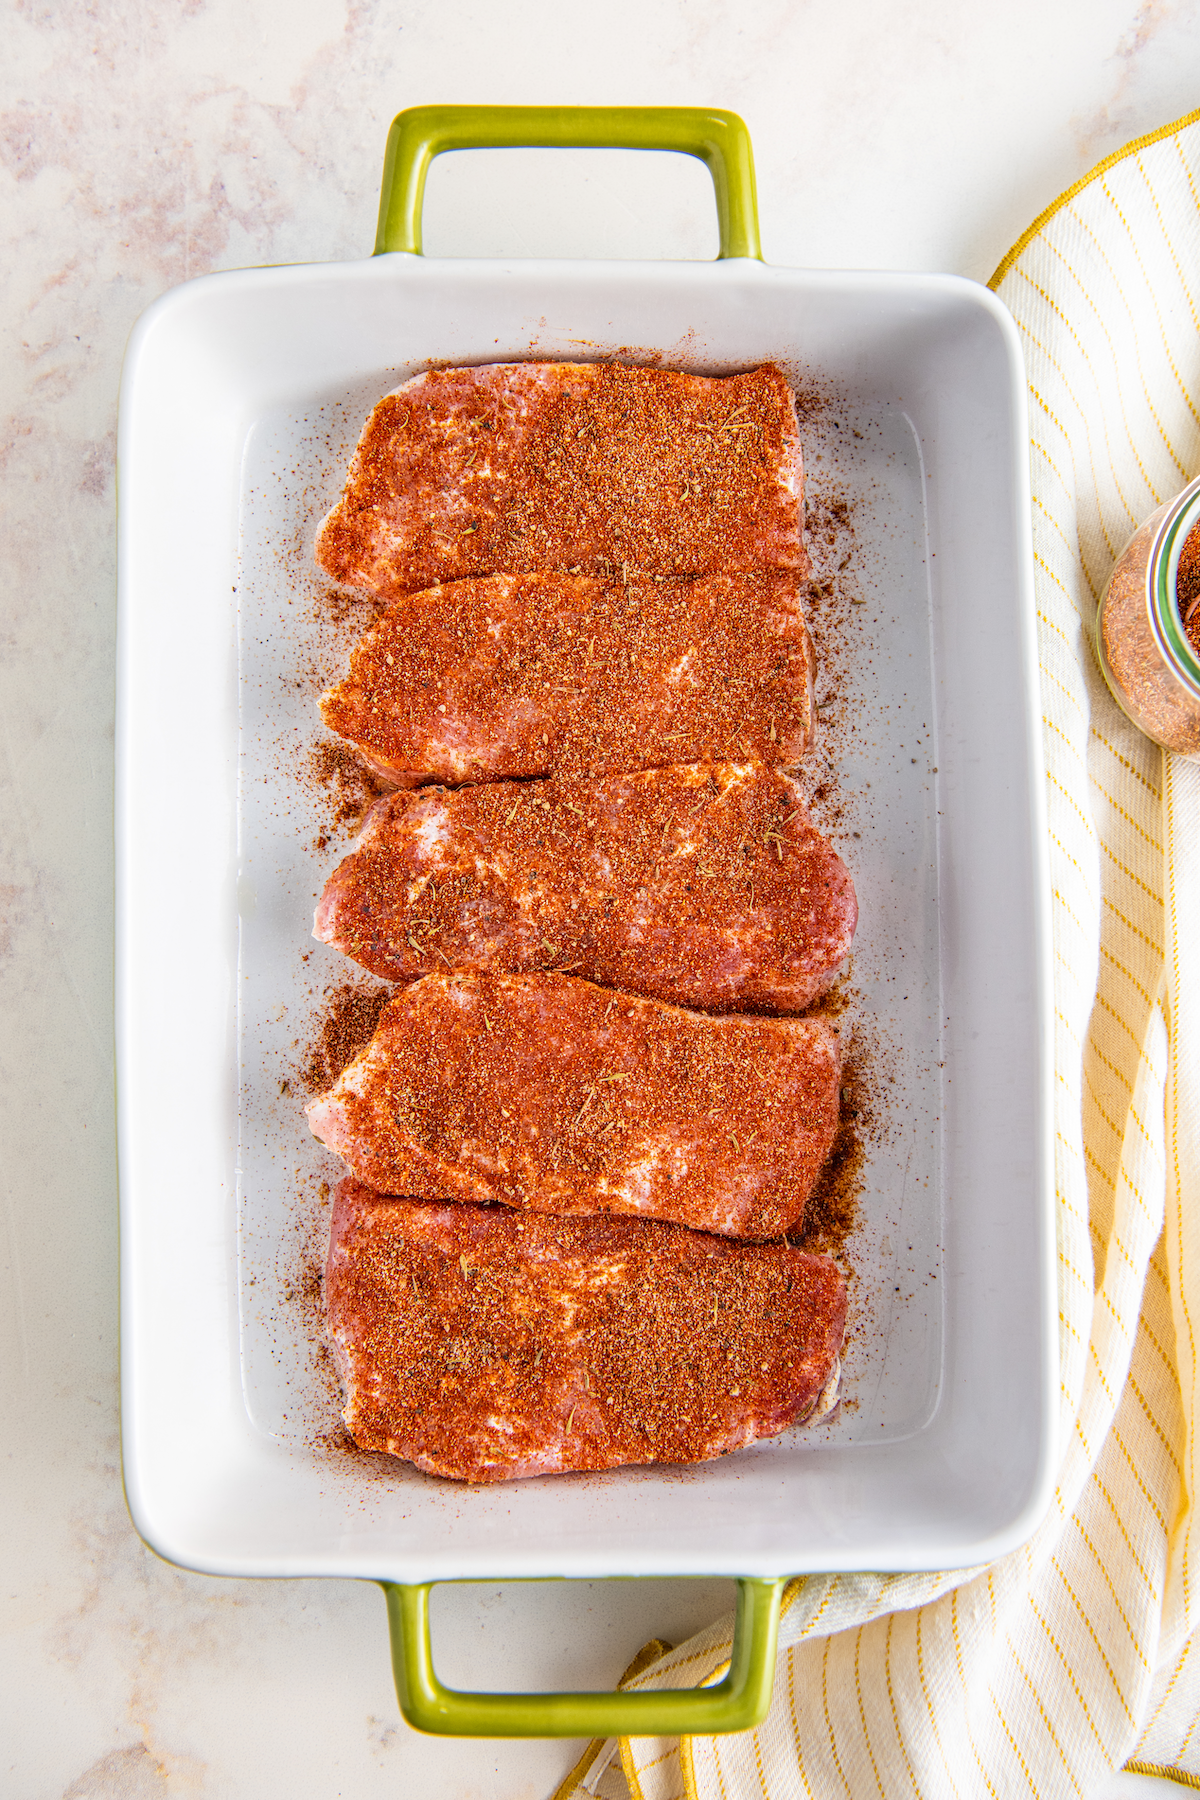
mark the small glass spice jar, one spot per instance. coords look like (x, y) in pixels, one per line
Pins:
(1150, 658)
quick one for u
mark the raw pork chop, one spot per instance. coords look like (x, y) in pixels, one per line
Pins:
(524, 467)
(546, 1092)
(486, 1346)
(706, 885)
(523, 675)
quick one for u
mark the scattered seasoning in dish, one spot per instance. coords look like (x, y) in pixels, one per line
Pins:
(351, 607)
(347, 1026)
(832, 1213)
(349, 785)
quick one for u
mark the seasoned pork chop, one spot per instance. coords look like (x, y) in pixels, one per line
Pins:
(485, 1345)
(548, 1093)
(527, 467)
(706, 885)
(526, 675)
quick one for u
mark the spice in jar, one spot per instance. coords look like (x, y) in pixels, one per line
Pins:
(1187, 587)
(1148, 625)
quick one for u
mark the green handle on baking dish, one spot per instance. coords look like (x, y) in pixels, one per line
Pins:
(737, 1703)
(718, 138)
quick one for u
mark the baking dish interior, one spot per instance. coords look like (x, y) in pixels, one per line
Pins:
(243, 395)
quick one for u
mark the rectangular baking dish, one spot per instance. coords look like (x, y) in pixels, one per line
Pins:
(241, 400)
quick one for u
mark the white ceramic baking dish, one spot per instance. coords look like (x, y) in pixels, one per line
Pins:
(242, 397)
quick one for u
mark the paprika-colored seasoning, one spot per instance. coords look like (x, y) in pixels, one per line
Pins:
(1187, 588)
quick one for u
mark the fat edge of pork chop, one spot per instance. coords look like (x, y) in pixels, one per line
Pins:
(518, 676)
(570, 466)
(705, 885)
(547, 1093)
(486, 1346)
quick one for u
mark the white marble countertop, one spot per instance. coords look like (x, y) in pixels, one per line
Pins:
(143, 145)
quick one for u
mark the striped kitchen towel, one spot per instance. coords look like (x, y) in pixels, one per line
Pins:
(1081, 1652)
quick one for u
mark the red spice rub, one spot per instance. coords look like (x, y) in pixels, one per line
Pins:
(584, 467)
(1187, 587)
(543, 1091)
(486, 1346)
(706, 885)
(519, 676)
